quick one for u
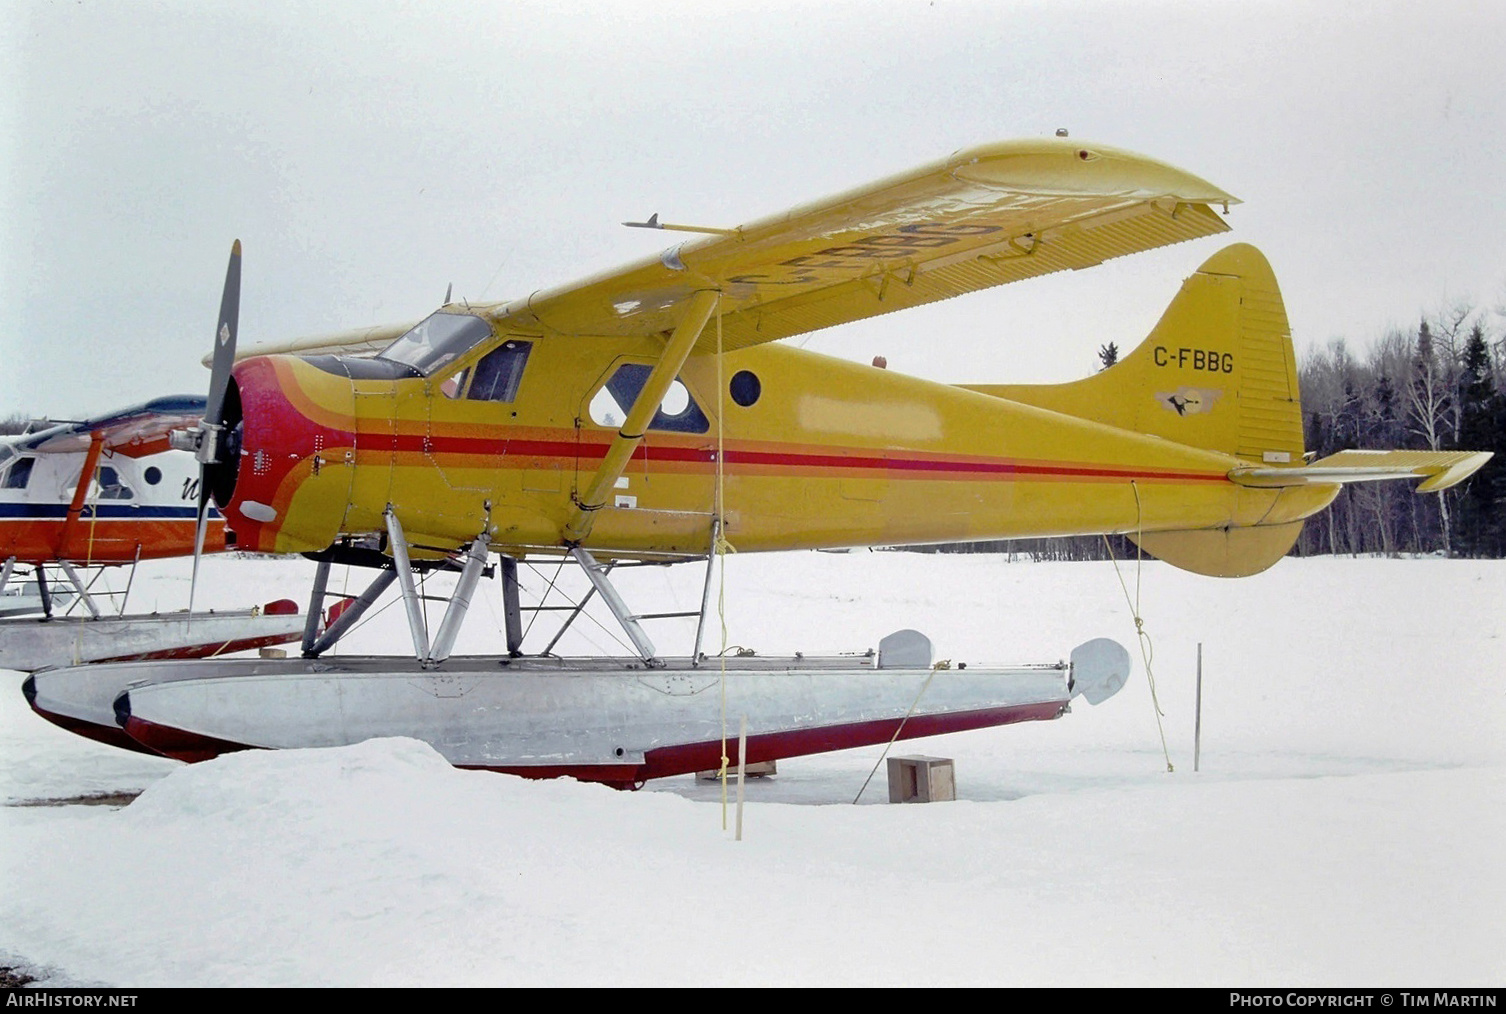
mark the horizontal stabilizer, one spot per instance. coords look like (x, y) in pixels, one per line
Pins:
(1439, 469)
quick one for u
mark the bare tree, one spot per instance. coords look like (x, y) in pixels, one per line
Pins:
(1429, 401)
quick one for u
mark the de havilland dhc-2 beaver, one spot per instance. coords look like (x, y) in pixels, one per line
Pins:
(650, 415)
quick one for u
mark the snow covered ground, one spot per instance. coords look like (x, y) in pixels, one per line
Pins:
(1345, 829)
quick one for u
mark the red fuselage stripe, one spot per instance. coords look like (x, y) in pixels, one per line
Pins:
(496, 448)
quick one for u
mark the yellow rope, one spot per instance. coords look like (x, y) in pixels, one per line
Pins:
(1147, 649)
(718, 540)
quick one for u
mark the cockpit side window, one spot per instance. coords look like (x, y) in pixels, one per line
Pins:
(112, 486)
(678, 412)
(497, 375)
(19, 474)
(438, 340)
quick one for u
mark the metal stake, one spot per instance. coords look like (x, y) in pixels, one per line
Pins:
(742, 772)
(1197, 733)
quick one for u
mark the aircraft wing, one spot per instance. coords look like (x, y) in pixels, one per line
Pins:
(985, 216)
(362, 341)
(1438, 469)
(134, 432)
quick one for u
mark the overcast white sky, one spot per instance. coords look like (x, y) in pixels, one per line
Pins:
(370, 154)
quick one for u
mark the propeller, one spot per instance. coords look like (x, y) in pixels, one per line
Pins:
(209, 441)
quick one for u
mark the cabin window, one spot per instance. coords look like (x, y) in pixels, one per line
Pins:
(153, 475)
(497, 374)
(440, 339)
(112, 486)
(451, 388)
(678, 412)
(19, 474)
(745, 387)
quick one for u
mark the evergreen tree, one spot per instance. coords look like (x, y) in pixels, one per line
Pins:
(1482, 419)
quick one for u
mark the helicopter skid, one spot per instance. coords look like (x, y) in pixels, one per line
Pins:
(607, 720)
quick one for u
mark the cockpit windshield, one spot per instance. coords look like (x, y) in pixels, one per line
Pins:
(429, 345)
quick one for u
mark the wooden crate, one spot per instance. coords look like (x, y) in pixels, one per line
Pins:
(921, 779)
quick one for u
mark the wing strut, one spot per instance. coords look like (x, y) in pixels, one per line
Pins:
(631, 434)
(80, 493)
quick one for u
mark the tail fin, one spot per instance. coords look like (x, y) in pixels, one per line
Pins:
(1217, 372)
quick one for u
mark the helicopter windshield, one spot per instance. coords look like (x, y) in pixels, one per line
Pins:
(432, 343)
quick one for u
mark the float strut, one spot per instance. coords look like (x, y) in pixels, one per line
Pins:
(348, 618)
(511, 609)
(78, 586)
(316, 607)
(603, 586)
(404, 568)
(700, 625)
(42, 590)
(460, 602)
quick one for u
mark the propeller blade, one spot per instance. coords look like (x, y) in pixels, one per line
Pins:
(224, 338)
(212, 440)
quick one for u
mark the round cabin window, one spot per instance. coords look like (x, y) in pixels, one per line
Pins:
(745, 387)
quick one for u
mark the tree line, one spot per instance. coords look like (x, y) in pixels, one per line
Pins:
(1438, 387)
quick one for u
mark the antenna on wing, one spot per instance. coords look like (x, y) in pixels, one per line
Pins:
(654, 223)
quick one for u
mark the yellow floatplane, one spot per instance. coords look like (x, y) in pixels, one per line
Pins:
(650, 414)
